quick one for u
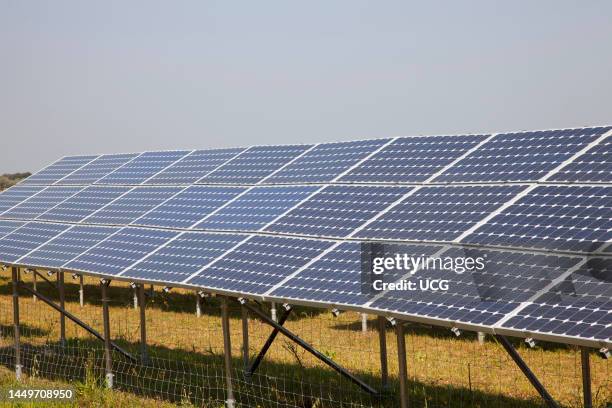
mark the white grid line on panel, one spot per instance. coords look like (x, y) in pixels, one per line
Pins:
(92, 247)
(151, 253)
(247, 149)
(159, 205)
(27, 199)
(46, 242)
(106, 205)
(220, 208)
(120, 167)
(299, 156)
(79, 189)
(170, 165)
(75, 170)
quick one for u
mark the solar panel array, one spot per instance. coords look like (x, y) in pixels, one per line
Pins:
(290, 223)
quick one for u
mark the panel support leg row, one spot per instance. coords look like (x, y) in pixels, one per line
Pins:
(34, 283)
(403, 366)
(268, 342)
(527, 371)
(227, 348)
(144, 357)
(104, 283)
(81, 291)
(245, 337)
(586, 378)
(382, 340)
(62, 302)
(15, 274)
(198, 304)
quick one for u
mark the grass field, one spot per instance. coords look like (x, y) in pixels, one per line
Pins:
(186, 358)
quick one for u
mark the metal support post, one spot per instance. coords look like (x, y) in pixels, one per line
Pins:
(586, 378)
(227, 347)
(245, 337)
(364, 322)
(273, 312)
(382, 339)
(481, 338)
(15, 274)
(267, 344)
(104, 283)
(62, 302)
(527, 371)
(34, 279)
(135, 296)
(143, 325)
(81, 291)
(403, 366)
(198, 304)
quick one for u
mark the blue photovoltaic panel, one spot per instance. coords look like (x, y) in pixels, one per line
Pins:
(182, 257)
(6, 227)
(41, 202)
(58, 170)
(188, 207)
(67, 246)
(336, 278)
(526, 156)
(337, 210)
(593, 166)
(83, 204)
(439, 213)
(132, 205)
(23, 240)
(96, 169)
(254, 164)
(142, 167)
(480, 297)
(256, 208)
(575, 218)
(412, 159)
(325, 162)
(578, 306)
(121, 250)
(194, 166)
(17, 194)
(259, 264)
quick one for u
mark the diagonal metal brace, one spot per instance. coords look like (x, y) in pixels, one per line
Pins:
(43, 277)
(76, 320)
(263, 316)
(268, 343)
(527, 371)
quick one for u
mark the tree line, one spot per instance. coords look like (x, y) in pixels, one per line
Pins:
(7, 180)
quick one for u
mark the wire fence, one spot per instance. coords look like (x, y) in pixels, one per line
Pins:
(185, 355)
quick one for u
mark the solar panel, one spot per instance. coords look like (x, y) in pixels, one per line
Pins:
(194, 166)
(143, 167)
(254, 164)
(256, 208)
(6, 227)
(525, 156)
(83, 204)
(593, 166)
(96, 169)
(188, 207)
(412, 159)
(578, 306)
(132, 205)
(438, 213)
(58, 170)
(182, 257)
(479, 297)
(337, 210)
(23, 240)
(67, 246)
(325, 162)
(41, 202)
(17, 194)
(120, 250)
(258, 264)
(336, 278)
(575, 218)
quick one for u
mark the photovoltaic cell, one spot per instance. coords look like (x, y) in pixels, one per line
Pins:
(132, 205)
(67, 246)
(256, 208)
(23, 240)
(96, 169)
(258, 264)
(337, 210)
(579, 306)
(480, 297)
(182, 257)
(6, 227)
(58, 170)
(325, 162)
(593, 166)
(17, 194)
(412, 159)
(121, 250)
(525, 156)
(41, 202)
(254, 164)
(142, 167)
(439, 213)
(194, 166)
(189, 207)
(575, 218)
(83, 204)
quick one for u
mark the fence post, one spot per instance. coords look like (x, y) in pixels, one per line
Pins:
(107, 341)
(227, 348)
(586, 378)
(62, 298)
(81, 291)
(15, 274)
(198, 304)
(245, 337)
(403, 370)
(364, 322)
(143, 325)
(34, 279)
(382, 339)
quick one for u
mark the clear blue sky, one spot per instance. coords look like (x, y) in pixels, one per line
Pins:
(80, 77)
